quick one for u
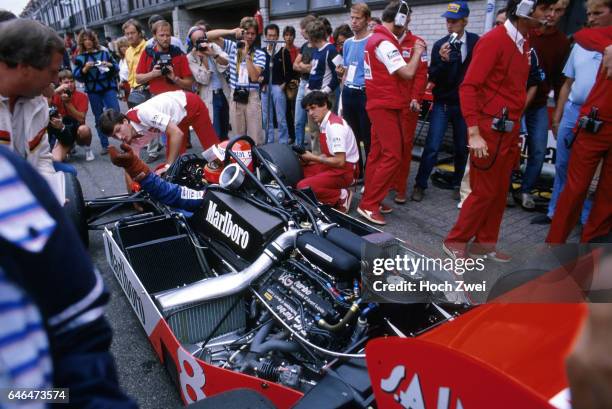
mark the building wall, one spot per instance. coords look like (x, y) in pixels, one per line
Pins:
(426, 21)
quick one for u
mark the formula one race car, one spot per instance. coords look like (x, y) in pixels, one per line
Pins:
(263, 288)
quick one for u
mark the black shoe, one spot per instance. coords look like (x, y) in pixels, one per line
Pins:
(541, 219)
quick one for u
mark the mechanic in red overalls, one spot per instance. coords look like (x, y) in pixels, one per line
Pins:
(593, 142)
(492, 98)
(416, 89)
(330, 174)
(385, 70)
(170, 112)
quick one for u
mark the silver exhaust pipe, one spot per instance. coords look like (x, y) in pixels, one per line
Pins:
(227, 284)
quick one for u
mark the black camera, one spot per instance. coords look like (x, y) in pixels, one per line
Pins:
(591, 123)
(502, 124)
(241, 96)
(68, 92)
(164, 61)
(53, 112)
(240, 44)
(202, 44)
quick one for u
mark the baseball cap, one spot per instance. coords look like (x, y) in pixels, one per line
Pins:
(456, 10)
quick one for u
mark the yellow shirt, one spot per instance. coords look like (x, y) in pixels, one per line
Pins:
(132, 57)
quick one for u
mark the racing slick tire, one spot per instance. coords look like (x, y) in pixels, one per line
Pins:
(290, 170)
(74, 207)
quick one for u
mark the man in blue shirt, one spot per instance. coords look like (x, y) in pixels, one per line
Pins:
(353, 92)
(580, 72)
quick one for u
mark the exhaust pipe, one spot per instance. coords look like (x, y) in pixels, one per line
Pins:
(227, 284)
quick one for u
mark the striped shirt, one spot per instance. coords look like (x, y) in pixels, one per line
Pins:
(239, 77)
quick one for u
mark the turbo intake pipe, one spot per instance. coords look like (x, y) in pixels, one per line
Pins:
(228, 284)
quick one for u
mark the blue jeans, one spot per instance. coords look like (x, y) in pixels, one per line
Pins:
(300, 115)
(220, 115)
(438, 122)
(64, 167)
(536, 123)
(565, 137)
(98, 102)
(276, 102)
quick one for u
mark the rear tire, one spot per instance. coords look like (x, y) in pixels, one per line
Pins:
(290, 169)
(75, 207)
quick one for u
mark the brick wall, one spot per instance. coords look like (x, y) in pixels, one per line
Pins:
(426, 21)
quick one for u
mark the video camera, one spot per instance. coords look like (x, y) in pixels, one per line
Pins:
(164, 61)
(202, 44)
(53, 112)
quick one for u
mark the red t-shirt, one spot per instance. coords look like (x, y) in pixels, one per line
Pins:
(78, 99)
(293, 52)
(180, 66)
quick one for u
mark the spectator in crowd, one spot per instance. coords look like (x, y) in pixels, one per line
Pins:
(351, 71)
(552, 47)
(208, 63)
(67, 126)
(500, 17)
(172, 112)
(342, 33)
(580, 72)
(247, 63)
(449, 63)
(302, 65)
(592, 144)
(6, 15)
(414, 89)
(124, 86)
(52, 325)
(135, 37)
(273, 96)
(374, 21)
(292, 85)
(163, 66)
(96, 69)
(289, 37)
(176, 42)
(30, 58)
(493, 96)
(323, 75)
(331, 173)
(385, 71)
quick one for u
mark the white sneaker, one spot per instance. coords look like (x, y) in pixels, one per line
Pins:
(527, 201)
(89, 156)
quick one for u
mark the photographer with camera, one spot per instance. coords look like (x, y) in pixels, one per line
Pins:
(492, 97)
(95, 68)
(208, 63)
(67, 119)
(163, 66)
(247, 63)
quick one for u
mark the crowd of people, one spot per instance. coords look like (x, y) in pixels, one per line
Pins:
(374, 73)
(352, 96)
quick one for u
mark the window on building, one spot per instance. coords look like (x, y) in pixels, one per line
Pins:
(325, 4)
(278, 7)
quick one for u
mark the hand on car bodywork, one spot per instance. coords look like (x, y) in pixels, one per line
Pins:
(126, 159)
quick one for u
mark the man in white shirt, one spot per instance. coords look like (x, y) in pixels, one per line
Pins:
(30, 57)
(331, 173)
(171, 112)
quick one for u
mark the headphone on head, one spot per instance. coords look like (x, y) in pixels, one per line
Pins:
(403, 11)
(523, 8)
